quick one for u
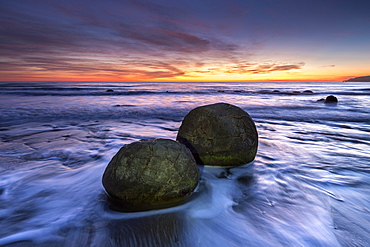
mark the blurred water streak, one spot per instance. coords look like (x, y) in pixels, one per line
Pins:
(308, 185)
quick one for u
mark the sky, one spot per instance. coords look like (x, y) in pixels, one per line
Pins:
(184, 40)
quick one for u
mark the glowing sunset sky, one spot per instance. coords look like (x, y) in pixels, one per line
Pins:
(192, 40)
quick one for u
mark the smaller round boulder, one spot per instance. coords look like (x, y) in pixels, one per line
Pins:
(219, 135)
(151, 174)
(331, 99)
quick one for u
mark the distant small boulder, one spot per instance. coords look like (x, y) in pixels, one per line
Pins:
(151, 174)
(219, 135)
(307, 92)
(331, 99)
(110, 90)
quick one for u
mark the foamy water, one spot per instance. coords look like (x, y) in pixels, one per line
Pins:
(308, 186)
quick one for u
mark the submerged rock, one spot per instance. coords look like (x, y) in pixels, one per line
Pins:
(219, 135)
(151, 174)
(110, 91)
(331, 99)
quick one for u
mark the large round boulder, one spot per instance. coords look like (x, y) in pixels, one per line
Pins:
(219, 135)
(151, 174)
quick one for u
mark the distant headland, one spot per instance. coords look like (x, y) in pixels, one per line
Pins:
(359, 79)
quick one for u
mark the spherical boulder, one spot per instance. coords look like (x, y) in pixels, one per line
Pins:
(331, 99)
(219, 135)
(151, 174)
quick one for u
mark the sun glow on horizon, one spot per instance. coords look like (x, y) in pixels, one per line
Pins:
(206, 74)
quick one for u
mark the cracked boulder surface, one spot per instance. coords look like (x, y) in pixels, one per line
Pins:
(219, 135)
(151, 174)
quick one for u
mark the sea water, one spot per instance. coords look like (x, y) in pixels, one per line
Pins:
(308, 186)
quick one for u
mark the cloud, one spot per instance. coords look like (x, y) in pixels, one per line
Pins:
(137, 26)
(123, 39)
(286, 67)
(163, 39)
(246, 68)
(80, 67)
(256, 68)
(327, 66)
(134, 38)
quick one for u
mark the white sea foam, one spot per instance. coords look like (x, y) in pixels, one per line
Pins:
(308, 185)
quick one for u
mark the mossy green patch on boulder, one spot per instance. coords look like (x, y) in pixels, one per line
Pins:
(151, 174)
(219, 135)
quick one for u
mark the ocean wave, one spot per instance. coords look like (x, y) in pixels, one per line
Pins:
(89, 91)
